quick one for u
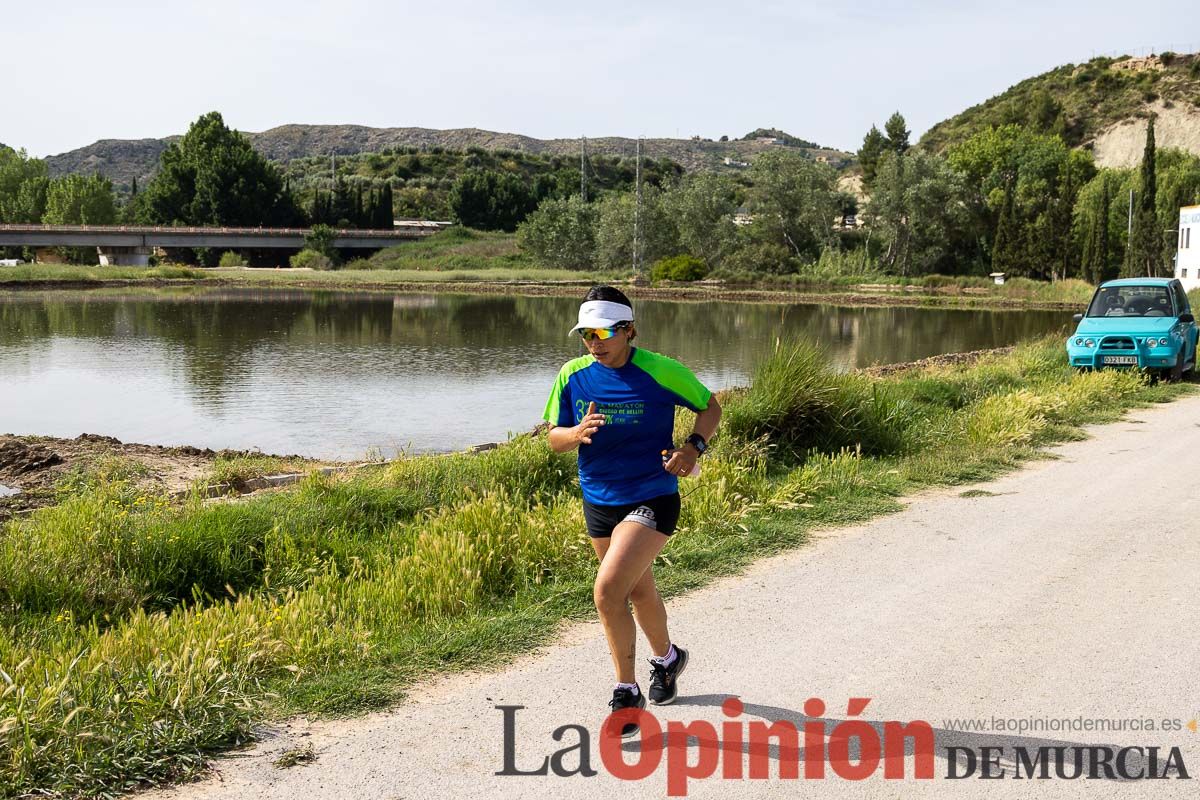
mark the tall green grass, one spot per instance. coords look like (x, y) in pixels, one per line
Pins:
(364, 273)
(137, 635)
(455, 248)
(800, 404)
(72, 273)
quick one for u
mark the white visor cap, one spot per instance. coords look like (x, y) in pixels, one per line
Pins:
(602, 314)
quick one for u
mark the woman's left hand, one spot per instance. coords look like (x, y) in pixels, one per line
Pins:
(682, 461)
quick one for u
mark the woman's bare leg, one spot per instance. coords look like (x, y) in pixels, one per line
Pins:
(648, 607)
(624, 564)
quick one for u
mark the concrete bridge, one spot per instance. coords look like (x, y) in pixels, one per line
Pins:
(131, 245)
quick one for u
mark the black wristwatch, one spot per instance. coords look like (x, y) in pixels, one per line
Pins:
(697, 441)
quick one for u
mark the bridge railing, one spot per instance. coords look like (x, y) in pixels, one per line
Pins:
(260, 231)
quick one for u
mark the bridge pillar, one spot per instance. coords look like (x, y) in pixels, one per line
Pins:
(123, 256)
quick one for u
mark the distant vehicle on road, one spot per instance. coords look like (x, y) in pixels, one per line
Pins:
(10, 262)
(1138, 323)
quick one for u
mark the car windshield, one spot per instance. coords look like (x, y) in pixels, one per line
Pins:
(1131, 301)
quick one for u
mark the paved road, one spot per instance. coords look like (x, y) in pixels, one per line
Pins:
(1071, 591)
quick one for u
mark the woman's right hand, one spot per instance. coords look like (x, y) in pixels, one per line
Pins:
(588, 426)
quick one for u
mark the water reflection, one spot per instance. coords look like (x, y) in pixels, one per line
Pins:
(336, 373)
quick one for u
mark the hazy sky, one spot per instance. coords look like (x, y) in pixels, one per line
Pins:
(78, 72)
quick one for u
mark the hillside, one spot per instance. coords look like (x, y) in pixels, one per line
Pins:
(421, 178)
(122, 160)
(1100, 105)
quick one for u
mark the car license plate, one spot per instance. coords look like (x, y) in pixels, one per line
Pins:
(1120, 360)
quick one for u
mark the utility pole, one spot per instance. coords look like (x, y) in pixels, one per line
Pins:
(583, 168)
(637, 219)
(1129, 225)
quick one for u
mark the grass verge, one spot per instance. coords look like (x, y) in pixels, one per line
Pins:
(137, 635)
(455, 248)
(384, 278)
(72, 273)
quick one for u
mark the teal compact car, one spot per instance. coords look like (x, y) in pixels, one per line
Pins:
(1139, 323)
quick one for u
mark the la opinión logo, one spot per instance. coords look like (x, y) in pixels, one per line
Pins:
(738, 749)
(854, 749)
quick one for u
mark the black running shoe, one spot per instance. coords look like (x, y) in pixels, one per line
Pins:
(625, 698)
(663, 689)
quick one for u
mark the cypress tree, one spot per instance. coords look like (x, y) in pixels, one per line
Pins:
(897, 133)
(1007, 246)
(1087, 259)
(386, 213)
(1142, 257)
(1060, 221)
(1104, 271)
(377, 211)
(868, 155)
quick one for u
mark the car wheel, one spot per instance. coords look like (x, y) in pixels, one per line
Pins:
(1189, 371)
(1176, 373)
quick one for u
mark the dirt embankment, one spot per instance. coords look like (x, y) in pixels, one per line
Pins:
(944, 360)
(1123, 144)
(37, 465)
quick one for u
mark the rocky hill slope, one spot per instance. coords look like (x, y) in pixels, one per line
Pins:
(1101, 105)
(122, 160)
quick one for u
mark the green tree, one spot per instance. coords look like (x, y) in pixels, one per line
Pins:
(1008, 249)
(385, 216)
(1092, 229)
(212, 176)
(561, 233)
(896, 130)
(616, 226)
(1044, 113)
(23, 184)
(868, 155)
(1052, 243)
(1178, 183)
(79, 200)
(795, 198)
(920, 213)
(1048, 175)
(76, 200)
(320, 239)
(679, 268)
(702, 208)
(490, 200)
(1143, 257)
(1099, 224)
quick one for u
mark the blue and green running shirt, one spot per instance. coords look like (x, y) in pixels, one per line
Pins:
(623, 464)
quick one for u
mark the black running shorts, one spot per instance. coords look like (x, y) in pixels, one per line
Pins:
(657, 513)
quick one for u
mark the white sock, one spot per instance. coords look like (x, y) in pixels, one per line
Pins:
(669, 658)
(633, 687)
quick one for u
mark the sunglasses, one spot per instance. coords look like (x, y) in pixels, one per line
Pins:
(589, 334)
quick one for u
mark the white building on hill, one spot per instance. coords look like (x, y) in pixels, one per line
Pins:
(1187, 260)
